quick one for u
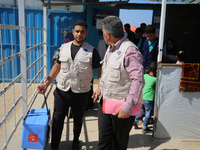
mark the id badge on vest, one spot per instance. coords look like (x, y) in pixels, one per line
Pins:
(118, 55)
(85, 52)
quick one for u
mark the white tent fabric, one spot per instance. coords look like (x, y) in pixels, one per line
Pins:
(178, 113)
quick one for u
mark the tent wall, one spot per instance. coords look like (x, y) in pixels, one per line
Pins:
(177, 113)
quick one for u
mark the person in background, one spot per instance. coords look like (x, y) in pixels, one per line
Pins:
(150, 47)
(180, 56)
(69, 37)
(143, 27)
(102, 47)
(169, 54)
(122, 80)
(131, 34)
(73, 72)
(139, 39)
(148, 98)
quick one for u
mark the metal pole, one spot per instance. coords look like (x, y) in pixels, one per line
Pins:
(161, 38)
(22, 37)
(45, 39)
(162, 27)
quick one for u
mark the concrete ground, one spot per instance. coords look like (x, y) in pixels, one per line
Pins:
(89, 134)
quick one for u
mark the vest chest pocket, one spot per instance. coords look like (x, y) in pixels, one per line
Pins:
(114, 72)
(84, 64)
(118, 96)
(85, 83)
(114, 76)
(114, 65)
(65, 66)
(60, 80)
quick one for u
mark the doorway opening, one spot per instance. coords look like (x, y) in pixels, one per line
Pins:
(135, 17)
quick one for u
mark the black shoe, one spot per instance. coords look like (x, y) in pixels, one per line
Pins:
(135, 125)
(76, 145)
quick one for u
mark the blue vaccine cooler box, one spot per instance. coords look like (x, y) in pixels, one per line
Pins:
(35, 129)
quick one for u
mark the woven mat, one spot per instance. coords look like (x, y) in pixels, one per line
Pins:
(190, 77)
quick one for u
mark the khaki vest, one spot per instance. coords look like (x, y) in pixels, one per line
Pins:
(75, 74)
(115, 83)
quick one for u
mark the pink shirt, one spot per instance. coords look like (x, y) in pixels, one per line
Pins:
(133, 65)
(179, 62)
(67, 40)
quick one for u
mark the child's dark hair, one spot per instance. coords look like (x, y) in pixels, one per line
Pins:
(153, 67)
(150, 29)
(181, 55)
(139, 30)
(127, 25)
(81, 23)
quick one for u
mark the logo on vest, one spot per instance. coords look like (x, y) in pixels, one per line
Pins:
(85, 50)
(119, 52)
(118, 55)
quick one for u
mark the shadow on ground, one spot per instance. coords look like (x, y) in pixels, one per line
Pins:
(67, 145)
(136, 140)
(142, 141)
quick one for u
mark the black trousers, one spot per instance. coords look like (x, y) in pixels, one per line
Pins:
(90, 102)
(62, 102)
(113, 132)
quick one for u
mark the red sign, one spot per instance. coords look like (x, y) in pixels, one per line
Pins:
(33, 138)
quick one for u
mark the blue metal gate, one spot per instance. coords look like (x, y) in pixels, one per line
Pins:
(59, 23)
(33, 18)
